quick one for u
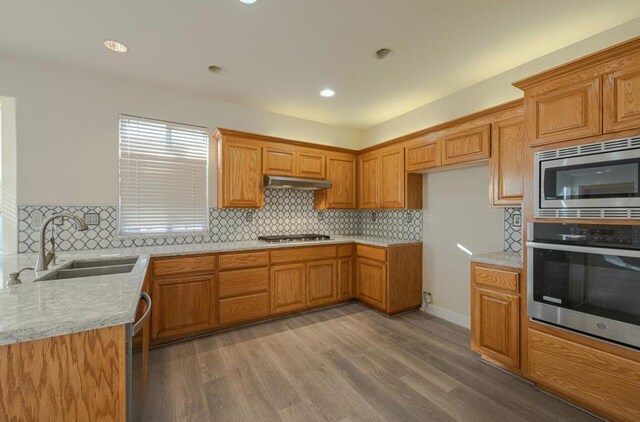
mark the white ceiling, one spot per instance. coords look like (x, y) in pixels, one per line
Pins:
(280, 53)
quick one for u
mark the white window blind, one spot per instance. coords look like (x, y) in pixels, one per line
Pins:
(163, 177)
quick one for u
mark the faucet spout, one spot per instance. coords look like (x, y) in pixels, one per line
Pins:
(44, 257)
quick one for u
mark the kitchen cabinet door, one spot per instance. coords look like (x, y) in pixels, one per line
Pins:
(341, 172)
(621, 92)
(466, 145)
(345, 278)
(496, 326)
(392, 179)
(239, 175)
(321, 282)
(571, 111)
(183, 306)
(507, 162)
(288, 292)
(311, 165)
(372, 283)
(278, 162)
(369, 181)
(424, 155)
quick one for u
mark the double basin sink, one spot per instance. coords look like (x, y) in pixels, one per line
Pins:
(92, 268)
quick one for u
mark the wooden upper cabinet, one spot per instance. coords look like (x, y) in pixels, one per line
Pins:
(341, 172)
(507, 162)
(559, 111)
(288, 292)
(321, 282)
(239, 173)
(423, 155)
(311, 165)
(392, 178)
(293, 161)
(369, 181)
(278, 162)
(466, 145)
(621, 92)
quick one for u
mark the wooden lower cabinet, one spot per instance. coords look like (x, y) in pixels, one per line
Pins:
(321, 283)
(183, 306)
(288, 292)
(605, 383)
(495, 314)
(244, 308)
(73, 377)
(345, 278)
(372, 283)
(496, 328)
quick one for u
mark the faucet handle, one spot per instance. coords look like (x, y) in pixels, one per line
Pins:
(14, 278)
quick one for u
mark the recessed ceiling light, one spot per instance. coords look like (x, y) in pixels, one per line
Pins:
(218, 70)
(248, 1)
(327, 93)
(116, 46)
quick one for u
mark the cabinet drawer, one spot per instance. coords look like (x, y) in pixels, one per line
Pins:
(600, 381)
(244, 308)
(243, 282)
(372, 252)
(184, 265)
(243, 260)
(345, 250)
(302, 254)
(500, 279)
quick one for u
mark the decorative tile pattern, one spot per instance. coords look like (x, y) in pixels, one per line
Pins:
(513, 230)
(284, 212)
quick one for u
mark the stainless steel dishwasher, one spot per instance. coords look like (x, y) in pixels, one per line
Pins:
(137, 362)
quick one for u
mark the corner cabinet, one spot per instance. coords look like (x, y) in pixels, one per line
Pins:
(495, 314)
(341, 172)
(383, 182)
(507, 162)
(239, 172)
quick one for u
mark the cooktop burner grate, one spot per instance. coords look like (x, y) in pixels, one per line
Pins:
(294, 238)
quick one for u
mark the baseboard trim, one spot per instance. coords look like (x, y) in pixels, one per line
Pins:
(446, 314)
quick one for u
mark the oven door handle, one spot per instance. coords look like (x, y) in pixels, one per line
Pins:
(584, 249)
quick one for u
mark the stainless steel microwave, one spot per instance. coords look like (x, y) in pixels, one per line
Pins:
(598, 180)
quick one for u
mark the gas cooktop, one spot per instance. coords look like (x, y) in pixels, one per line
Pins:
(294, 238)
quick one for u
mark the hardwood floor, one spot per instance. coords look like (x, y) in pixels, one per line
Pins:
(347, 363)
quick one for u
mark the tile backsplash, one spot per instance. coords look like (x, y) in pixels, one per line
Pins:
(284, 212)
(513, 230)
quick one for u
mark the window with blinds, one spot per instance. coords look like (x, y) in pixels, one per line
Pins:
(163, 177)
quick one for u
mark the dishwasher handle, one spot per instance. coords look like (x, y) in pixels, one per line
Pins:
(138, 325)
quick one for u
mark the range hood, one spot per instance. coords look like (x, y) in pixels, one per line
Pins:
(282, 182)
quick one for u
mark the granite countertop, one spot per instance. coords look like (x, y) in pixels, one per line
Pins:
(502, 258)
(34, 310)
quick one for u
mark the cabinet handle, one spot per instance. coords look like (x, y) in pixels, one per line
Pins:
(138, 325)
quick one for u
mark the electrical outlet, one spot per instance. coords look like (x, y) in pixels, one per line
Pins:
(37, 218)
(248, 216)
(374, 216)
(321, 215)
(426, 297)
(408, 217)
(517, 220)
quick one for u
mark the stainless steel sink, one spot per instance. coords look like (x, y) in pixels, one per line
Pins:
(92, 268)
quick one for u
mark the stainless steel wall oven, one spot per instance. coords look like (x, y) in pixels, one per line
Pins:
(586, 277)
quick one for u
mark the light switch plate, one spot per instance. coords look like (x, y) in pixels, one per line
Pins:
(92, 218)
(517, 220)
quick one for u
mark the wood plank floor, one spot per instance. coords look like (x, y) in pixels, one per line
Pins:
(347, 363)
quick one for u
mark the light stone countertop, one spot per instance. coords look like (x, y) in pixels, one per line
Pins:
(35, 310)
(502, 258)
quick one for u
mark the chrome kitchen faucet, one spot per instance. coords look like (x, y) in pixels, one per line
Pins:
(44, 257)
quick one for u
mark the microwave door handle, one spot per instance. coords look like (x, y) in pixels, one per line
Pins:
(584, 249)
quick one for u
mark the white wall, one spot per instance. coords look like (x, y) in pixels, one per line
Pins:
(67, 128)
(458, 200)
(493, 91)
(9, 176)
